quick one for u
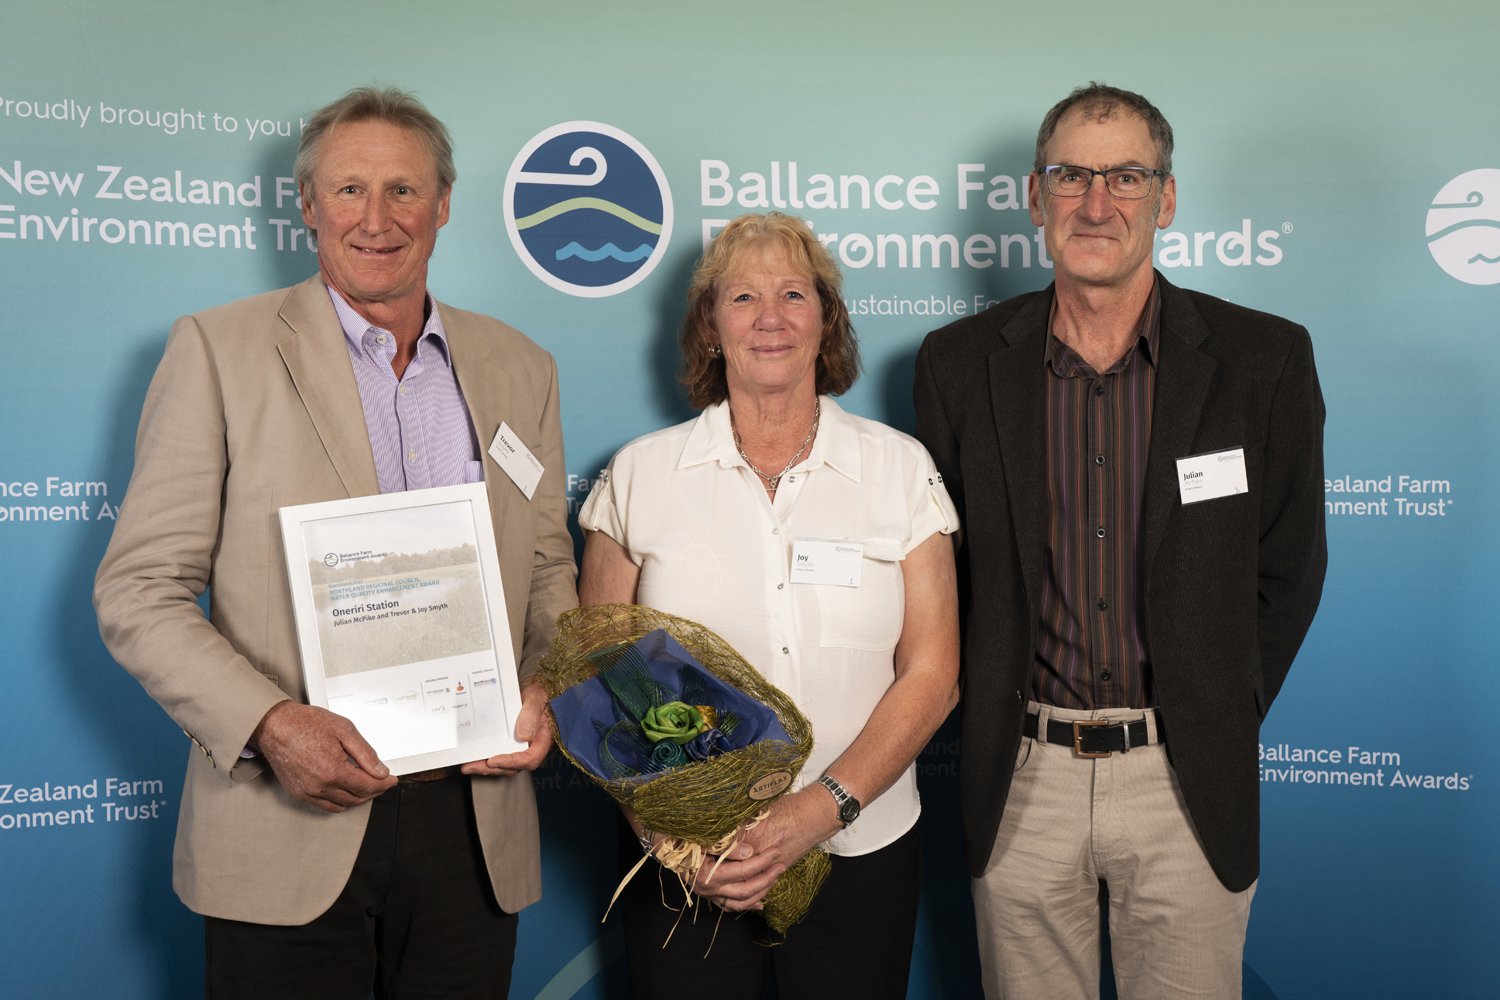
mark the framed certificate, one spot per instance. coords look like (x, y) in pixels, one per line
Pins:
(402, 625)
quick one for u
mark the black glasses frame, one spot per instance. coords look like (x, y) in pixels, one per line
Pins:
(1152, 175)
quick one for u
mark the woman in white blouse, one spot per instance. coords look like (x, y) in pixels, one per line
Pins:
(726, 520)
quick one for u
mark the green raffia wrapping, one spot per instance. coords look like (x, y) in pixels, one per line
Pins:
(710, 800)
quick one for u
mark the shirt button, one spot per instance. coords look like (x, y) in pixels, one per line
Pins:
(784, 650)
(781, 586)
(413, 456)
(775, 531)
(1103, 604)
(1099, 532)
(380, 339)
(1104, 676)
(1101, 457)
(1098, 459)
(1099, 390)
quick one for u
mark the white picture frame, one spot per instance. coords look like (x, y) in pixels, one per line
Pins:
(405, 632)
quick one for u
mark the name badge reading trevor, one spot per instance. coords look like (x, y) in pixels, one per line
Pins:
(512, 455)
(833, 564)
(1212, 475)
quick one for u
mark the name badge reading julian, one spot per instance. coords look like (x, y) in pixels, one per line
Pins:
(833, 564)
(512, 455)
(1213, 475)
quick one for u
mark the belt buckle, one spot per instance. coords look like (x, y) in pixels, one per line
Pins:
(1078, 750)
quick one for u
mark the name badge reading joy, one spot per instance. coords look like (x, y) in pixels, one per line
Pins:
(512, 455)
(1212, 475)
(833, 564)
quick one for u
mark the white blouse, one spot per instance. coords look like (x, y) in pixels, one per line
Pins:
(713, 548)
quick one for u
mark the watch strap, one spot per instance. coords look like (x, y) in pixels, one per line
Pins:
(849, 807)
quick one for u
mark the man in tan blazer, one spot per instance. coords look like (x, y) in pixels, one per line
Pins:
(319, 874)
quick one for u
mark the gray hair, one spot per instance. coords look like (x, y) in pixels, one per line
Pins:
(391, 105)
(1099, 102)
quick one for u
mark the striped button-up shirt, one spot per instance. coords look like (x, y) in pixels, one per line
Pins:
(1091, 649)
(419, 427)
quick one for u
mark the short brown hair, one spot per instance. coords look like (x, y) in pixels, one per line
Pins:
(390, 104)
(1098, 102)
(702, 373)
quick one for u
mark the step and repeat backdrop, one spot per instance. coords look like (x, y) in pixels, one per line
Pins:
(1338, 163)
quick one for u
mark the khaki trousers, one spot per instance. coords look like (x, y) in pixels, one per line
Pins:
(1069, 823)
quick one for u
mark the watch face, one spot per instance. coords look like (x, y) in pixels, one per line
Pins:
(849, 811)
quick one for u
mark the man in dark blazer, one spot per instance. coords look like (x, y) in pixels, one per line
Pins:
(1139, 469)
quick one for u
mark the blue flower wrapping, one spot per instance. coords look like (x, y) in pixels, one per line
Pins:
(709, 743)
(598, 722)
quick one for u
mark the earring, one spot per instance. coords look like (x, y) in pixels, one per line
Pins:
(714, 351)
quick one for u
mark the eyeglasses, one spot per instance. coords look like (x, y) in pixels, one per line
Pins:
(1068, 181)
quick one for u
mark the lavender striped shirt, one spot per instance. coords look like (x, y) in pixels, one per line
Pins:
(1091, 648)
(419, 426)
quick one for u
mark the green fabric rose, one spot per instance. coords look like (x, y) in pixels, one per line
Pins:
(669, 754)
(676, 721)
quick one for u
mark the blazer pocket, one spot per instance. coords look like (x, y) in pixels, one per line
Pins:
(869, 616)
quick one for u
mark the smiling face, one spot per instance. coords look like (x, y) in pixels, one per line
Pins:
(1097, 239)
(770, 324)
(375, 202)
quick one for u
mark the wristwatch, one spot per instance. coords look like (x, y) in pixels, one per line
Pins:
(848, 804)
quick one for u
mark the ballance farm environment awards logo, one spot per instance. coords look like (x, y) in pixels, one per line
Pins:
(1463, 227)
(588, 209)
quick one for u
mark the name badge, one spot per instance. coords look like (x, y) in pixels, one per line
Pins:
(833, 564)
(512, 455)
(1212, 475)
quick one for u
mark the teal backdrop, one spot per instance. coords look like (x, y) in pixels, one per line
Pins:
(1337, 163)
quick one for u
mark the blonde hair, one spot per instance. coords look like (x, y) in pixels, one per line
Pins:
(702, 373)
(391, 105)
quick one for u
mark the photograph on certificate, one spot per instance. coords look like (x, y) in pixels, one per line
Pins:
(407, 650)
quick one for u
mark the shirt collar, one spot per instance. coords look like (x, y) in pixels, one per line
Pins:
(356, 326)
(837, 443)
(1066, 363)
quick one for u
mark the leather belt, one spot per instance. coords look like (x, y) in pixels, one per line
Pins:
(1095, 737)
(436, 774)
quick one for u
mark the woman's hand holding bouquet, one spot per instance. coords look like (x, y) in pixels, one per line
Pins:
(694, 744)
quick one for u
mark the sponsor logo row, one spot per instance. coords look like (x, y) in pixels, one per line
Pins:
(589, 211)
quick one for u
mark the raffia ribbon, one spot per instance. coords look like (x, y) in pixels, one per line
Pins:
(685, 859)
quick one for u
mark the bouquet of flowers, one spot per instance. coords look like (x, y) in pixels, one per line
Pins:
(669, 720)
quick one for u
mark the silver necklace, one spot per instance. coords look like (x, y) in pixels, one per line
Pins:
(774, 481)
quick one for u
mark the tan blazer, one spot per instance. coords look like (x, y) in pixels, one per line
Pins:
(254, 407)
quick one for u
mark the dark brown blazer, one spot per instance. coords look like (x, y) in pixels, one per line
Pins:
(1231, 585)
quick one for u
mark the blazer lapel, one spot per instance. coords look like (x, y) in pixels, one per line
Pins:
(1018, 398)
(1183, 376)
(317, 357)
(487, 392)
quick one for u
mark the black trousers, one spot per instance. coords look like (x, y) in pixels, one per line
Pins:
(856, 941)
(418, 917)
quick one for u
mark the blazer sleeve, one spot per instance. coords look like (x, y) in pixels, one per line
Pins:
(1293, 543)
(160, 556)
(554, 575)
(935, 431)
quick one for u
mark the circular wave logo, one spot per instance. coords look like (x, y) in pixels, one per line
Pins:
(588, 209)
(1463, 227)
